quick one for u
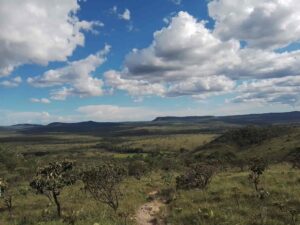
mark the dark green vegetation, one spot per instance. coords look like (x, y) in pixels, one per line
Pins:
(204, 172)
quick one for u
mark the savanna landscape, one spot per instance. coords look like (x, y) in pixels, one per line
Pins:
(149, 112)
(174, 172)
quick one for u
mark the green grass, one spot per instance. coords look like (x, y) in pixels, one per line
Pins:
(168, 143)
(229, 199)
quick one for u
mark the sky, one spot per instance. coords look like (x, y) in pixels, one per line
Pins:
(134, 60)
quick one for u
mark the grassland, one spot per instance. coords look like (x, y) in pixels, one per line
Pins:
(229, 199)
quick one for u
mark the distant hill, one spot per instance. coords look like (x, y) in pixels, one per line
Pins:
(19, 127)
(265, 118)
(25, 126)
(81, 127)
(161, 125)
(184, 119)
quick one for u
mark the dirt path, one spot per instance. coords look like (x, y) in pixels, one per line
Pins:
(146, 214)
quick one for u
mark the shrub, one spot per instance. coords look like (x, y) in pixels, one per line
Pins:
(198, 176)
(137, 168)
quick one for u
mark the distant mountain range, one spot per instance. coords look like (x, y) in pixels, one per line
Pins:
(199, 123)
(265, 118)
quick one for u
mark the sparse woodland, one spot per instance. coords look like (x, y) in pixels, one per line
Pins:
(217, 181)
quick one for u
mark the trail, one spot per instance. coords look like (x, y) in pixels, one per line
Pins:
(146, 214)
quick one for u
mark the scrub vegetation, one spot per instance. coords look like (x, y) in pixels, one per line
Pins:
(239, 175)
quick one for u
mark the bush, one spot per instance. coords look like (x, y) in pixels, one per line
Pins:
(137, 169)
(198, 176)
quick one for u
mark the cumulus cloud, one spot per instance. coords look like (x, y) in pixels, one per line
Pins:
(284, 90)
(262, 64)
(40, 100)
(39, 31)
(15, 82)
(194, 86)
(187, 58)
(180, 54)
(267, 24)
(134, 87)
(125, 15)
(184, 49)
(75, 79)
(184, 58)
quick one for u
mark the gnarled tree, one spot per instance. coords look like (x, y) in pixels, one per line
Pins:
(51, 179)
(103, 183)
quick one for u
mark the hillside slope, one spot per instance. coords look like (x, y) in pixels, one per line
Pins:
(273, 143)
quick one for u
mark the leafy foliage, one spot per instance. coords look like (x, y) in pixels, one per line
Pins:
(51, 179)
(257, 167)
(137, 168)
(198, 176)
(251, 135)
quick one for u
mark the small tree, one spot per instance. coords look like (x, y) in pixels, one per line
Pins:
(257, 167)
(103, 183)
(51, 179)
(198, 176)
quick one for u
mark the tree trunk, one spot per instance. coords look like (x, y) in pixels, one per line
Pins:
(57, 204)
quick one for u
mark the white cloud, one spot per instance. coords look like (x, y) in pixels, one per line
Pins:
(40, 100)
(284, 90)
(14, 117)
(15, 82)
(39, 31)
(76, 77)
(125, 15)
(267, 24)
(116, 113)
(134, 87)
(264, 64)
(186, 58)
(196, 86)
(180, 55)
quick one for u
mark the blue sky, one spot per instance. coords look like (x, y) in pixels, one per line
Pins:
(134, 60)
